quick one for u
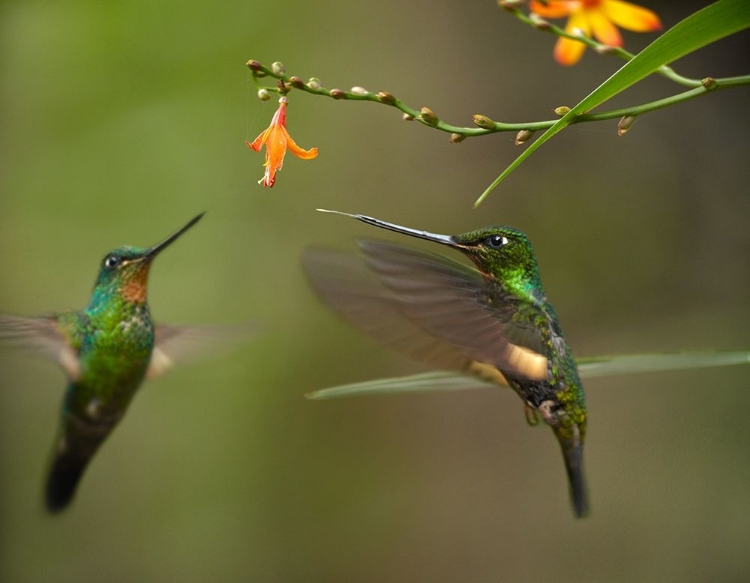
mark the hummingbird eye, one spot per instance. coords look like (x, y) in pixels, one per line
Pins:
(112, 261)
(496, 241)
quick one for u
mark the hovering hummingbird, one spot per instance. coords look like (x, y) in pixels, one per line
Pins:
(106, 351)
(494, 321)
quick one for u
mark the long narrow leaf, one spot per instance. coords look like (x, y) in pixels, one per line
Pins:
(591, 367)
(704, 27)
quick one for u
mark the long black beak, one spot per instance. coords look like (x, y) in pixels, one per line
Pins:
(159, 247)
(444, 239)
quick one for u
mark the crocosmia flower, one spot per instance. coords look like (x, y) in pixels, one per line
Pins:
(598, 17)
(277, 140)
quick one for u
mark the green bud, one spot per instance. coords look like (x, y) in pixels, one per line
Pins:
(523, 136)
(483, 121)
(538, 22)
(575, 31)
(387, 98)
(278, 68)
(562, 110)
(428, 116)
(509, 5)
(605, 49)
(264, 95)
(337, 94)
(624, 124)
(457, 138)
(709, 83)
(314, 83)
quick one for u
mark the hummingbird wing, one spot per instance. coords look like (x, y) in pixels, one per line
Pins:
(182, 344)
(454, 303)
(346, 286)
(56, 337)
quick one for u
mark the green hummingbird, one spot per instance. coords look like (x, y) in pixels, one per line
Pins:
(106, 351)
(494, 321)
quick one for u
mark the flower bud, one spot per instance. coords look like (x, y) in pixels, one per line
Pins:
(428, 116)
(483, 121)
(562, 110)
(605, 49)
(538, 22)
(523, 136)
(264, 95)
(296, 82)
(709, 83)
(407, 117)
(314, 83)
(457, 138)
(359, 90)
(575, 31)
(509, 5)
(624, 124)
(278, 68)
(337, 94)
(387, 98)
(254, 65)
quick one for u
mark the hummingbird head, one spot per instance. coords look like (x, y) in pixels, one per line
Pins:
(124, 271)
(503, 254)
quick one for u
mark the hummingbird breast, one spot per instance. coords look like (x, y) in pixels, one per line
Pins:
(114, 357)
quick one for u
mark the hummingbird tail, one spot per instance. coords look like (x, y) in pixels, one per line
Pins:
(572, 449)
(62, 481)
(78, 442)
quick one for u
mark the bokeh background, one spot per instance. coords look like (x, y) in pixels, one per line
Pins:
(120, 121)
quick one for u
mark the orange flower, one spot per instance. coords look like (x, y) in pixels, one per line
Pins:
(597, 16)
(277, 140)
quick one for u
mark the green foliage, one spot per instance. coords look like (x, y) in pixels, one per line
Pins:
(704, 27)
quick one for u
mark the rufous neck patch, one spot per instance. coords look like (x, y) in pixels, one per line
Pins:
(134, 289)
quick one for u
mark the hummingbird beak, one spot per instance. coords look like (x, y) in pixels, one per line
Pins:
(159, 247)
(444, 239)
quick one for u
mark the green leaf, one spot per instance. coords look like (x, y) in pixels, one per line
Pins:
(704, 27)
(590, 367)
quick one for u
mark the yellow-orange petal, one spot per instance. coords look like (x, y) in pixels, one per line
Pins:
(568, 51)
(258, 142)
(300, 152)
(603, 29)
(553, 9)
(631, 17)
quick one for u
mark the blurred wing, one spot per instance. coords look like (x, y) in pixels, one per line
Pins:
(43, 336)
(452, 302)
(344, 284)
(183, 344)
(600, 366)
(589, 367)
(419, 383)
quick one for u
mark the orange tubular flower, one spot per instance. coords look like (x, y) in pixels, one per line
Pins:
(277, 140)
(600, 17)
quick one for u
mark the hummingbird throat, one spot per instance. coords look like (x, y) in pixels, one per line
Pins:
(134, 288)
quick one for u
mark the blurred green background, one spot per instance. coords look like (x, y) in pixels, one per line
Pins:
(120, 121)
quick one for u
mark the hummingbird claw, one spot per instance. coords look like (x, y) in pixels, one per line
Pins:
(532, 417)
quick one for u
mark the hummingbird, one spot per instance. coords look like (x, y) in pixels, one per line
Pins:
(493, 321)
(106, 350)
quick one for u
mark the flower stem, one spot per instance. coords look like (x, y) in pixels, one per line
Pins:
(290, 82)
